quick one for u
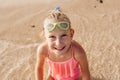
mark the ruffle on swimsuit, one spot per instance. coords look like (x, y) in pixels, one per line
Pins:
(67, 70)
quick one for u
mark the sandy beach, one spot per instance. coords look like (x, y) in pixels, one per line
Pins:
(97, 29)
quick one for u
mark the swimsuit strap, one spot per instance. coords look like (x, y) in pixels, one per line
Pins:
(72, 52)
(47, 54)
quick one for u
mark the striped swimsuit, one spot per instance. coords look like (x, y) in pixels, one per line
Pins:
(67, 70)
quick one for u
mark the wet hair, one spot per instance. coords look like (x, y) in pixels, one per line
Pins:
(58, 16)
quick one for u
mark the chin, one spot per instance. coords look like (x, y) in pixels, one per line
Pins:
(58, 52)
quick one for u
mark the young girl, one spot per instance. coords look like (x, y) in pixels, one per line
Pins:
(66, 58)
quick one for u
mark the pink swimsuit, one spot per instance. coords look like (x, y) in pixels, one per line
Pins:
(67, 70)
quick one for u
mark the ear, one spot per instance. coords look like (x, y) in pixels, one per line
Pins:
(42, 35)
(72, 32)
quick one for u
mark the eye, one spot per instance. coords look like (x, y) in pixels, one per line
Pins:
(64, 35)
(51, 36)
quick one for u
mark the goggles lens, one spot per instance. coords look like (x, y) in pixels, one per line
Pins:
(61, 25)
(64, 25)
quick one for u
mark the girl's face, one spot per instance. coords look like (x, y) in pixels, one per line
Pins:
(59, 41)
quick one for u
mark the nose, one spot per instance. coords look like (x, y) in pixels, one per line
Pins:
(58, 42)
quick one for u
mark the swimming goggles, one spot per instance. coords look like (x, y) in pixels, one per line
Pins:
(61, 25)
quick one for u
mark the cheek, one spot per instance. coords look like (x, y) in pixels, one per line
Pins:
(50, 43)
(66, 39)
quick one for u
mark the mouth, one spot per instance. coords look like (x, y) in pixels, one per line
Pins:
(59, 49)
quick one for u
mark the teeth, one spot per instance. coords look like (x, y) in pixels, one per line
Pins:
(60, 48)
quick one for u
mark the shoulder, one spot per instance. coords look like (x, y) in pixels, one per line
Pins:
(77, 48)
(41, 54)
(81, 58)
(42, 49)
(79, 52)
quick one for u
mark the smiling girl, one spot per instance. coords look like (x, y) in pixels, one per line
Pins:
(66, 58)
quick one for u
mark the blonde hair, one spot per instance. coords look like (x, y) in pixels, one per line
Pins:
(58, 15)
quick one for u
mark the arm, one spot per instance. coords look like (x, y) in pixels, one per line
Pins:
(81, 57)
(40, 63)
(84, 67)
